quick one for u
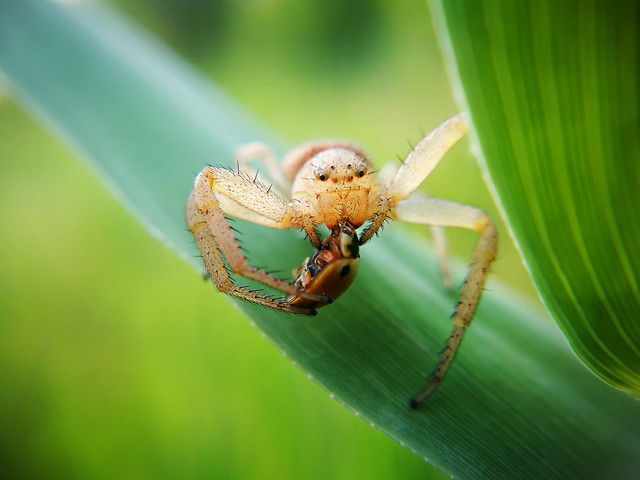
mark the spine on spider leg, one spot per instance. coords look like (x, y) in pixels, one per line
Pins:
(483, 255)
(378, 219)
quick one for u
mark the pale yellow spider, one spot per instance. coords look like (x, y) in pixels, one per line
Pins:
(333, 183)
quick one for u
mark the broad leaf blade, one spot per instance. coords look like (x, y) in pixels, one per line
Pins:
(516, 404)
(553, 93)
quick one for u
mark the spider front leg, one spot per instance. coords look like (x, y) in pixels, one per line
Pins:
(269, 160)
(438, 235)
(394, 202)
(450, 214)
(424, 157)
(218, 191)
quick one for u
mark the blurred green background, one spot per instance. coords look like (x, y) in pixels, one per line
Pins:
(116, 359)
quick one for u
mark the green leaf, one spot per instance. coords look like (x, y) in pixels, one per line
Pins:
(553, 92)
(516, 403)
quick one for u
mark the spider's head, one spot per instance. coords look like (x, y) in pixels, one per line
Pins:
(339, 181)
(340, 168)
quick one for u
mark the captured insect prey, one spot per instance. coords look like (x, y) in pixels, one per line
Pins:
(330, 270)
(332, 183)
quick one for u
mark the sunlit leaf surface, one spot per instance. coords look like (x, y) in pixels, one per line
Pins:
(517, 404)
(553, 92)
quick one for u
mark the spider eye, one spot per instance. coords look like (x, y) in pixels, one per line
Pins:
(360, 172)
(322, 177)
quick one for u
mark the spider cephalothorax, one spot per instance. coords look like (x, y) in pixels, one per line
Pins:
(332, 183)
(338, 184)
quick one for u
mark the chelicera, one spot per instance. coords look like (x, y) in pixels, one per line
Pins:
(332, 183)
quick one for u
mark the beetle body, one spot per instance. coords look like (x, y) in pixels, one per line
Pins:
(330, 270)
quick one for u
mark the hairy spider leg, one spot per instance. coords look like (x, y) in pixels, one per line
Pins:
(432, 211)
(438, 234)
(418, 165)
(206, 220)
(395, 202)
(268, 159)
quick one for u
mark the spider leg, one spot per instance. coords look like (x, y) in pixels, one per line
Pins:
(418, 165)
(431, 211)
(218, 271)
(249, 200)
(441, 246)
(267, 157)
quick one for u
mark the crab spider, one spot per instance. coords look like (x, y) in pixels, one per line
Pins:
(333, 184)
